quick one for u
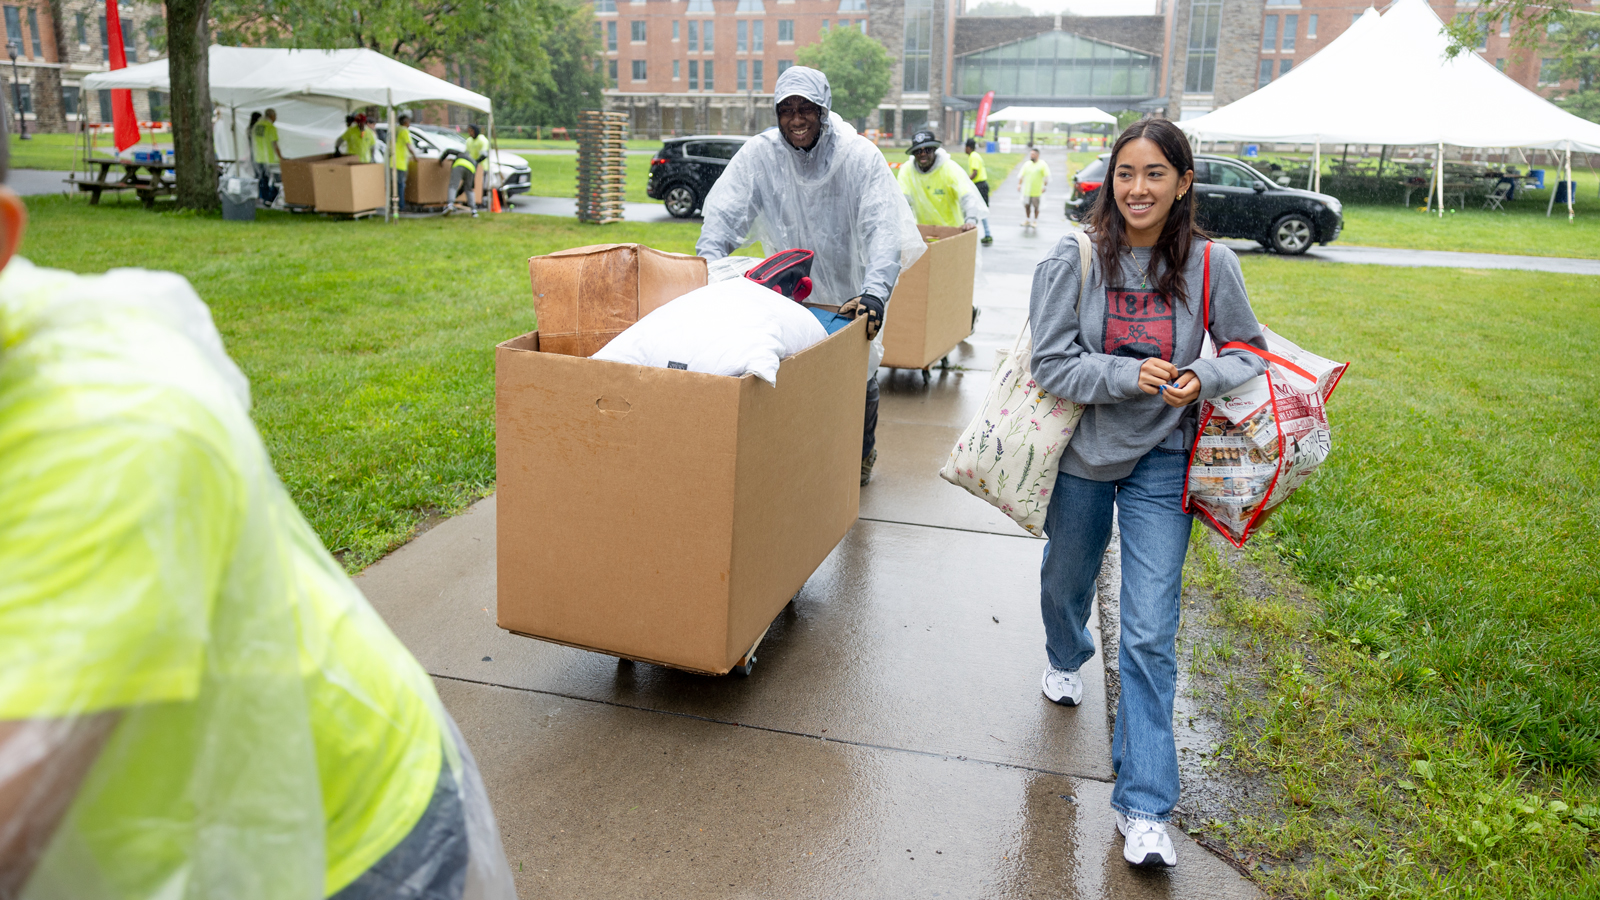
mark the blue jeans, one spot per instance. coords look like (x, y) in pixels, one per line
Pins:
(400, 187)
(1155, 539)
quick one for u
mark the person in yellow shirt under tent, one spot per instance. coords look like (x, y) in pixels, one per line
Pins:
(465, 170)
(353, 142)
(402, 159)
(939, 192)
(1031, 183)
(264, 149)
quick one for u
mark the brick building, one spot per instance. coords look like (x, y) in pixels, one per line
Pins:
(32, 65)
(85, 49)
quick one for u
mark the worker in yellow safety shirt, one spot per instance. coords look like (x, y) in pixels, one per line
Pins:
(464, 171)
(938, 191)
(264, 149)
(195, 700)
(369, 138)
(979, 173)
(402, 158)
(351, 140)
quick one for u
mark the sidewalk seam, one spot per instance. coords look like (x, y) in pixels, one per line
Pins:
(767, 728)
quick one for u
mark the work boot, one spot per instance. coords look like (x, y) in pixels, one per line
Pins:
(866, 466)
(987, 239)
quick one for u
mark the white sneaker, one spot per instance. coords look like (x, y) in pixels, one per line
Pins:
(1063, 687)
(1146, 843)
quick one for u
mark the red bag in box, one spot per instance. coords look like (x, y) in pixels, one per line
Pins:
(1255, 445)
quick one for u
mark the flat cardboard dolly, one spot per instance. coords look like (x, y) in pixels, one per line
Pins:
(930, 311)
(668, 516)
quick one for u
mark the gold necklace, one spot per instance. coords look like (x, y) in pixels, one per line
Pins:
(1144, 276)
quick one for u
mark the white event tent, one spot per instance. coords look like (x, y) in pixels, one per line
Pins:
(1059, 115)
(312, 89)
(1386, 80)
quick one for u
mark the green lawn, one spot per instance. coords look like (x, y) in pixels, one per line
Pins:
(546, 144)
(1521, 229)
(1433, 725)
(369, 346)
(59, 152)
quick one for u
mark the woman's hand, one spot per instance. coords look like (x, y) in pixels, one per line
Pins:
(1185, 392)
(1153, 373)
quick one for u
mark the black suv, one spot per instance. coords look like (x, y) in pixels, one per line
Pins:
(684, 169)
(1235, 201)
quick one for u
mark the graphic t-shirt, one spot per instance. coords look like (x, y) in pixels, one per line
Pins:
(1140, 324)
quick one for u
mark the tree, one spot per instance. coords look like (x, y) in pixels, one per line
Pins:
(858, 70)
(1529, 21)
(500, 43)
(575, 81)
(1012, 8)
(1576, 42)
(189, 71)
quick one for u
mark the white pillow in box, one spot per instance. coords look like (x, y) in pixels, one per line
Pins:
(734, 327)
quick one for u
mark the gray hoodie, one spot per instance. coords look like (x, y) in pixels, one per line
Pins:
(1093, 356)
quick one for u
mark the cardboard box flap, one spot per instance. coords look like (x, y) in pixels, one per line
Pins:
(586, 296)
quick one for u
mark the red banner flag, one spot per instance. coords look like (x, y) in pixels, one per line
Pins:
(982, 125)
(125, 125)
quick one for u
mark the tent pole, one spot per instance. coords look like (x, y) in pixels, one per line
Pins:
(1570, 211)
(391, 183)
(494, 156)
(1438, 177)
(1550, 206)
(1316, 164)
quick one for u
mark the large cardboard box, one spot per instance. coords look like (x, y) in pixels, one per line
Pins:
(663, 515)
(586, 296)
(298, 189)
(428, 182)
(347, 185)
(930, 311)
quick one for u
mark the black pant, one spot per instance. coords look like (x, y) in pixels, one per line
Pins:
(983, 190)
(869, 434)
(429, 863)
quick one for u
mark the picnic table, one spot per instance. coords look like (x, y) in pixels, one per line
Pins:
(148, 186)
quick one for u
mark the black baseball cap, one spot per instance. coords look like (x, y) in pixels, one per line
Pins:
(922, 139)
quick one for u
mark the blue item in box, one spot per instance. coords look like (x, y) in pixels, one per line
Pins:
(1251, 151)
(831, 321)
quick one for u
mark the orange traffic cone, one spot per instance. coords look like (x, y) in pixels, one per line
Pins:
(494, 201)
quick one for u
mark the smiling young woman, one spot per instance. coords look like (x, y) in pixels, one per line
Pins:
(1131, 355)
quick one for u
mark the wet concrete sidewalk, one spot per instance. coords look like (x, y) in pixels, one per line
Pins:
(892, 741)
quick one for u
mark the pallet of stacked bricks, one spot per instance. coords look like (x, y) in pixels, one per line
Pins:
(602, 167)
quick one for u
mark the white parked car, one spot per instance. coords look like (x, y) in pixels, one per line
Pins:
(510, 171)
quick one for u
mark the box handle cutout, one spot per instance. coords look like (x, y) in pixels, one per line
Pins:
(613, 405)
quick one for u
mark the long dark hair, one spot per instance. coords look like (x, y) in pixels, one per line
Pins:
(254, 118)
(1171, 252)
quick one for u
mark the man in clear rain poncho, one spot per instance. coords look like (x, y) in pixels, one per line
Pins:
(813, 183)
(195, 700)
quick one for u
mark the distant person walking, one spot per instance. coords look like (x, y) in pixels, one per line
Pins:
(979, 174)
(264, 149)
(1031, 183)
(1139, 374)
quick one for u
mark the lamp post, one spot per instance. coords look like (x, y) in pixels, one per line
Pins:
(16, 94)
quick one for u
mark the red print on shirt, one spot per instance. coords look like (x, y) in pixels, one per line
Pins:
(1139, 324)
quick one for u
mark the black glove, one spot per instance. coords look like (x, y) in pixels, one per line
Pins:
(871, 306)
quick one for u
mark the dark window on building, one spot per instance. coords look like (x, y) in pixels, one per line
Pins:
(1205, 21)
(741, 75)
(24, 93)
(1284, 65)
(33, 32)
(70, 98)
(105, 105)
(1265, 78)
(708, 44)
(675, 29)
(694, 37)
(82, 23)
(1311, 28)
(14, 29)
(1547, 70)
(611, 36)
(1269, 34)
(105, 42)
(1500, 64)
(758, 37)
(160, 107)
(785, 31)
(130, 47)
(710, 81)
(611, 71)
(677, 69)
(918, 44)
(784, 65)
(1291, 24)
(741, 42)
(638, 70)
(605, 6)
(694, 74)
(757, 75)
(636, 31)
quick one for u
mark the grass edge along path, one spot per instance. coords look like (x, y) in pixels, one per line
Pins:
(1429, 723)
(369, 346)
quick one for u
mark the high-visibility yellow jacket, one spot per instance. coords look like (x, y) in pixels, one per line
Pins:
(975, 167)
(402, 148)
(263, 136)
(943, 195)
(354, 142)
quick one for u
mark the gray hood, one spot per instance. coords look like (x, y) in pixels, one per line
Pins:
(800, 81)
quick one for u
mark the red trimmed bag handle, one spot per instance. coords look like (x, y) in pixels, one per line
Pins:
(1268, 355)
